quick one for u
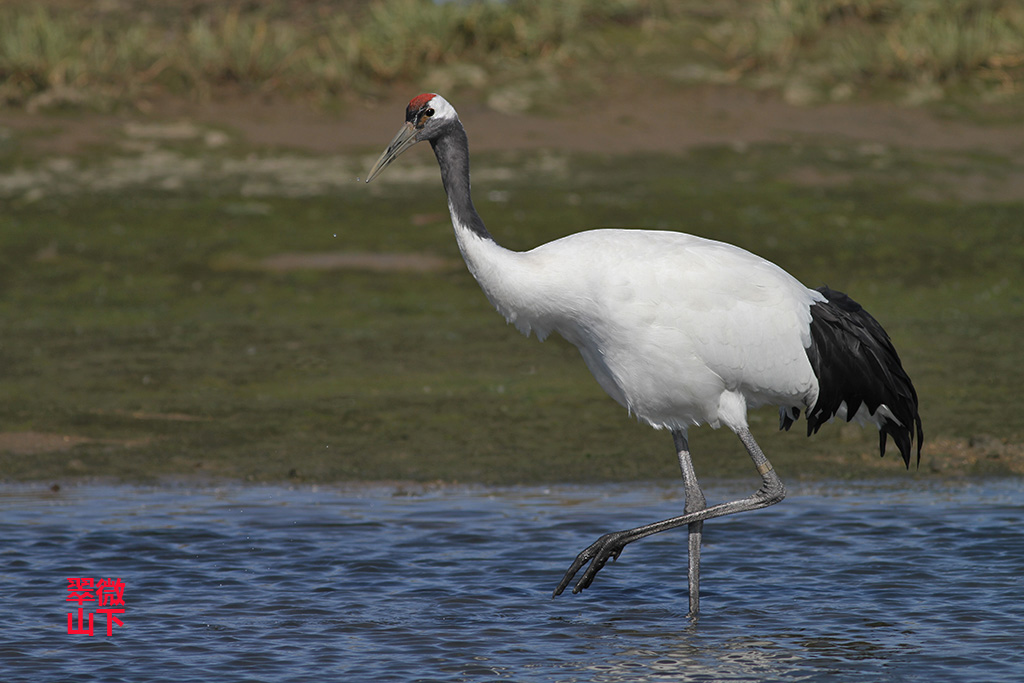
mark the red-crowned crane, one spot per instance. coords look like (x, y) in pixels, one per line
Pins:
(681, 331)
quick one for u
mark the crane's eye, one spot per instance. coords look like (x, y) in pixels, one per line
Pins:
(429, 112)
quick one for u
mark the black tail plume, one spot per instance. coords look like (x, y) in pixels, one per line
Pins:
(856, 364)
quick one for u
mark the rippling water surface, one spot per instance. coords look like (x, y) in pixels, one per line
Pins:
(853, 582)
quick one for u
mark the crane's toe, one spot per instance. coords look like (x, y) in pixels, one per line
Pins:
(597, 554)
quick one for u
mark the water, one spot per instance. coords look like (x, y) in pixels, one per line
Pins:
(853, 582)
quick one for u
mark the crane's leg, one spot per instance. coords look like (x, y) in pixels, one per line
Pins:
(695, 502)
(610, 545)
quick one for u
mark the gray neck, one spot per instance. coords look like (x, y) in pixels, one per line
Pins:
(452, 152)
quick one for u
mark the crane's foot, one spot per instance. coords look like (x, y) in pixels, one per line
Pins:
(597, 554)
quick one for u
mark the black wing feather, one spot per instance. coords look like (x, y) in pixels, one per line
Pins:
(856, 364)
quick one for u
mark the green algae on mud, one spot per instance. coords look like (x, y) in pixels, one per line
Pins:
(143, 323)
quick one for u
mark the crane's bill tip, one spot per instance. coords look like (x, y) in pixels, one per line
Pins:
(403, 140)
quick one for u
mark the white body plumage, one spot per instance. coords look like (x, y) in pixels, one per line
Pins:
(678, 329)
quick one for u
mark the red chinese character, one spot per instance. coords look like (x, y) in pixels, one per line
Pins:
(111, 619)
(82, 630)
(110, 592)
(81, 590)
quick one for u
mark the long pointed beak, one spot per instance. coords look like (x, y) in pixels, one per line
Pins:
(405, 139)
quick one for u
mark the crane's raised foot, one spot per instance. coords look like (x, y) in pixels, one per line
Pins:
(597, 553)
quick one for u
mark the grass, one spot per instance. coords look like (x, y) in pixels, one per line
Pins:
(522, 53)
(925, 45)
(138, 317)
(124, 53)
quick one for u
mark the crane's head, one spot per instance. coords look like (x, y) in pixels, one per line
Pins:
(425, 119)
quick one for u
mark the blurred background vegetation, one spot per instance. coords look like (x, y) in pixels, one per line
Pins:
(118, 53)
